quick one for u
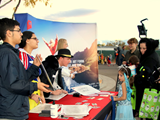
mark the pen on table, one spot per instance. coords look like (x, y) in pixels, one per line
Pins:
(40, 100)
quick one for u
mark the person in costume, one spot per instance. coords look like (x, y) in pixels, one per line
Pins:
(133, 62)
(150, 61)
(102, 58)
(105, 60)
(124, 108)
(64, 58)
(51, 65)
(108, 61)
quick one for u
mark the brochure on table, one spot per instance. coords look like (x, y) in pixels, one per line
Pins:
(56, 97)
(85, 90)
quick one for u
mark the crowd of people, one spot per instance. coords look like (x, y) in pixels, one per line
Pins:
(121, 54)
(146, 61)
(23, 83)
(103, 59)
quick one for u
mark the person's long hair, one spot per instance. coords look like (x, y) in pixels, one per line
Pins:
(61, 44)
(127, 71)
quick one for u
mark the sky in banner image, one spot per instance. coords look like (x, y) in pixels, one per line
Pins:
(115, 19)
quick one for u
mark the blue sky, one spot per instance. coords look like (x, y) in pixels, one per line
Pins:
(115, 19)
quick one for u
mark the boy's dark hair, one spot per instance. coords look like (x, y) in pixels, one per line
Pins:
(134, 60)
(26, 35)
(7, 24)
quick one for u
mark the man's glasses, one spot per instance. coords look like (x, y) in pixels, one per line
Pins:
(16, 30)
(34, 38)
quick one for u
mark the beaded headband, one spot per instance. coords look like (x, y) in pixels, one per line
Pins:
(123, 66)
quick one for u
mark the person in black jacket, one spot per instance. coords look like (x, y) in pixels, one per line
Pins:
(15, 84)
(150, 61)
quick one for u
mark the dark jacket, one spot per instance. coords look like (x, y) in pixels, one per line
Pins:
(129, 54)
(15, 86)
(151, 61)
(51, 66)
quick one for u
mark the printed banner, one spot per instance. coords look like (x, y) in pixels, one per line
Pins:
(81, 39)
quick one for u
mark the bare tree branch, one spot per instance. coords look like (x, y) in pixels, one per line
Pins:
(16, 8)
(5, 3)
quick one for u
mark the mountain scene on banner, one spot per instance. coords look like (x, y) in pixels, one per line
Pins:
(89, 55)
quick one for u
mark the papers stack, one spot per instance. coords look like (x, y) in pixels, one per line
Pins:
(76, 111)
(44, 106)
(56, 97)
(40, 107)
(104, 93)
(99, 93)
(85, 90)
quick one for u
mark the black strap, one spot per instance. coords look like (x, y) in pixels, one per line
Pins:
(156, 86)
(60, 78)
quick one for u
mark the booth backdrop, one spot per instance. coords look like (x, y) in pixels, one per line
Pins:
(81, 38)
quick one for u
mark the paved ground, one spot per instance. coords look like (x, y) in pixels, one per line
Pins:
(108, 77)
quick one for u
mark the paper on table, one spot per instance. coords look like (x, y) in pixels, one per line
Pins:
(92, 95)
(78, 110)
(41, 107)
(85, 90)
(56, 97)
(80, 116)
(104, 93)
(45, 106)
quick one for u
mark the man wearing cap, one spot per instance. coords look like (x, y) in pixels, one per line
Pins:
(63, 76)
(53, 68)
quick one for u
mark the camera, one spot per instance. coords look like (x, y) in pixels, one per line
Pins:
(141, 28)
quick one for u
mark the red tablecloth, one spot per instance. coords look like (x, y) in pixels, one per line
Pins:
(70, 100)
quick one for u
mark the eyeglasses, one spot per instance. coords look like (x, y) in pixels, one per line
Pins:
(34, 38)
(16, 30)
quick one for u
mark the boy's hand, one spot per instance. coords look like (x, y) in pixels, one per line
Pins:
(35, 97)
(41, 86)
